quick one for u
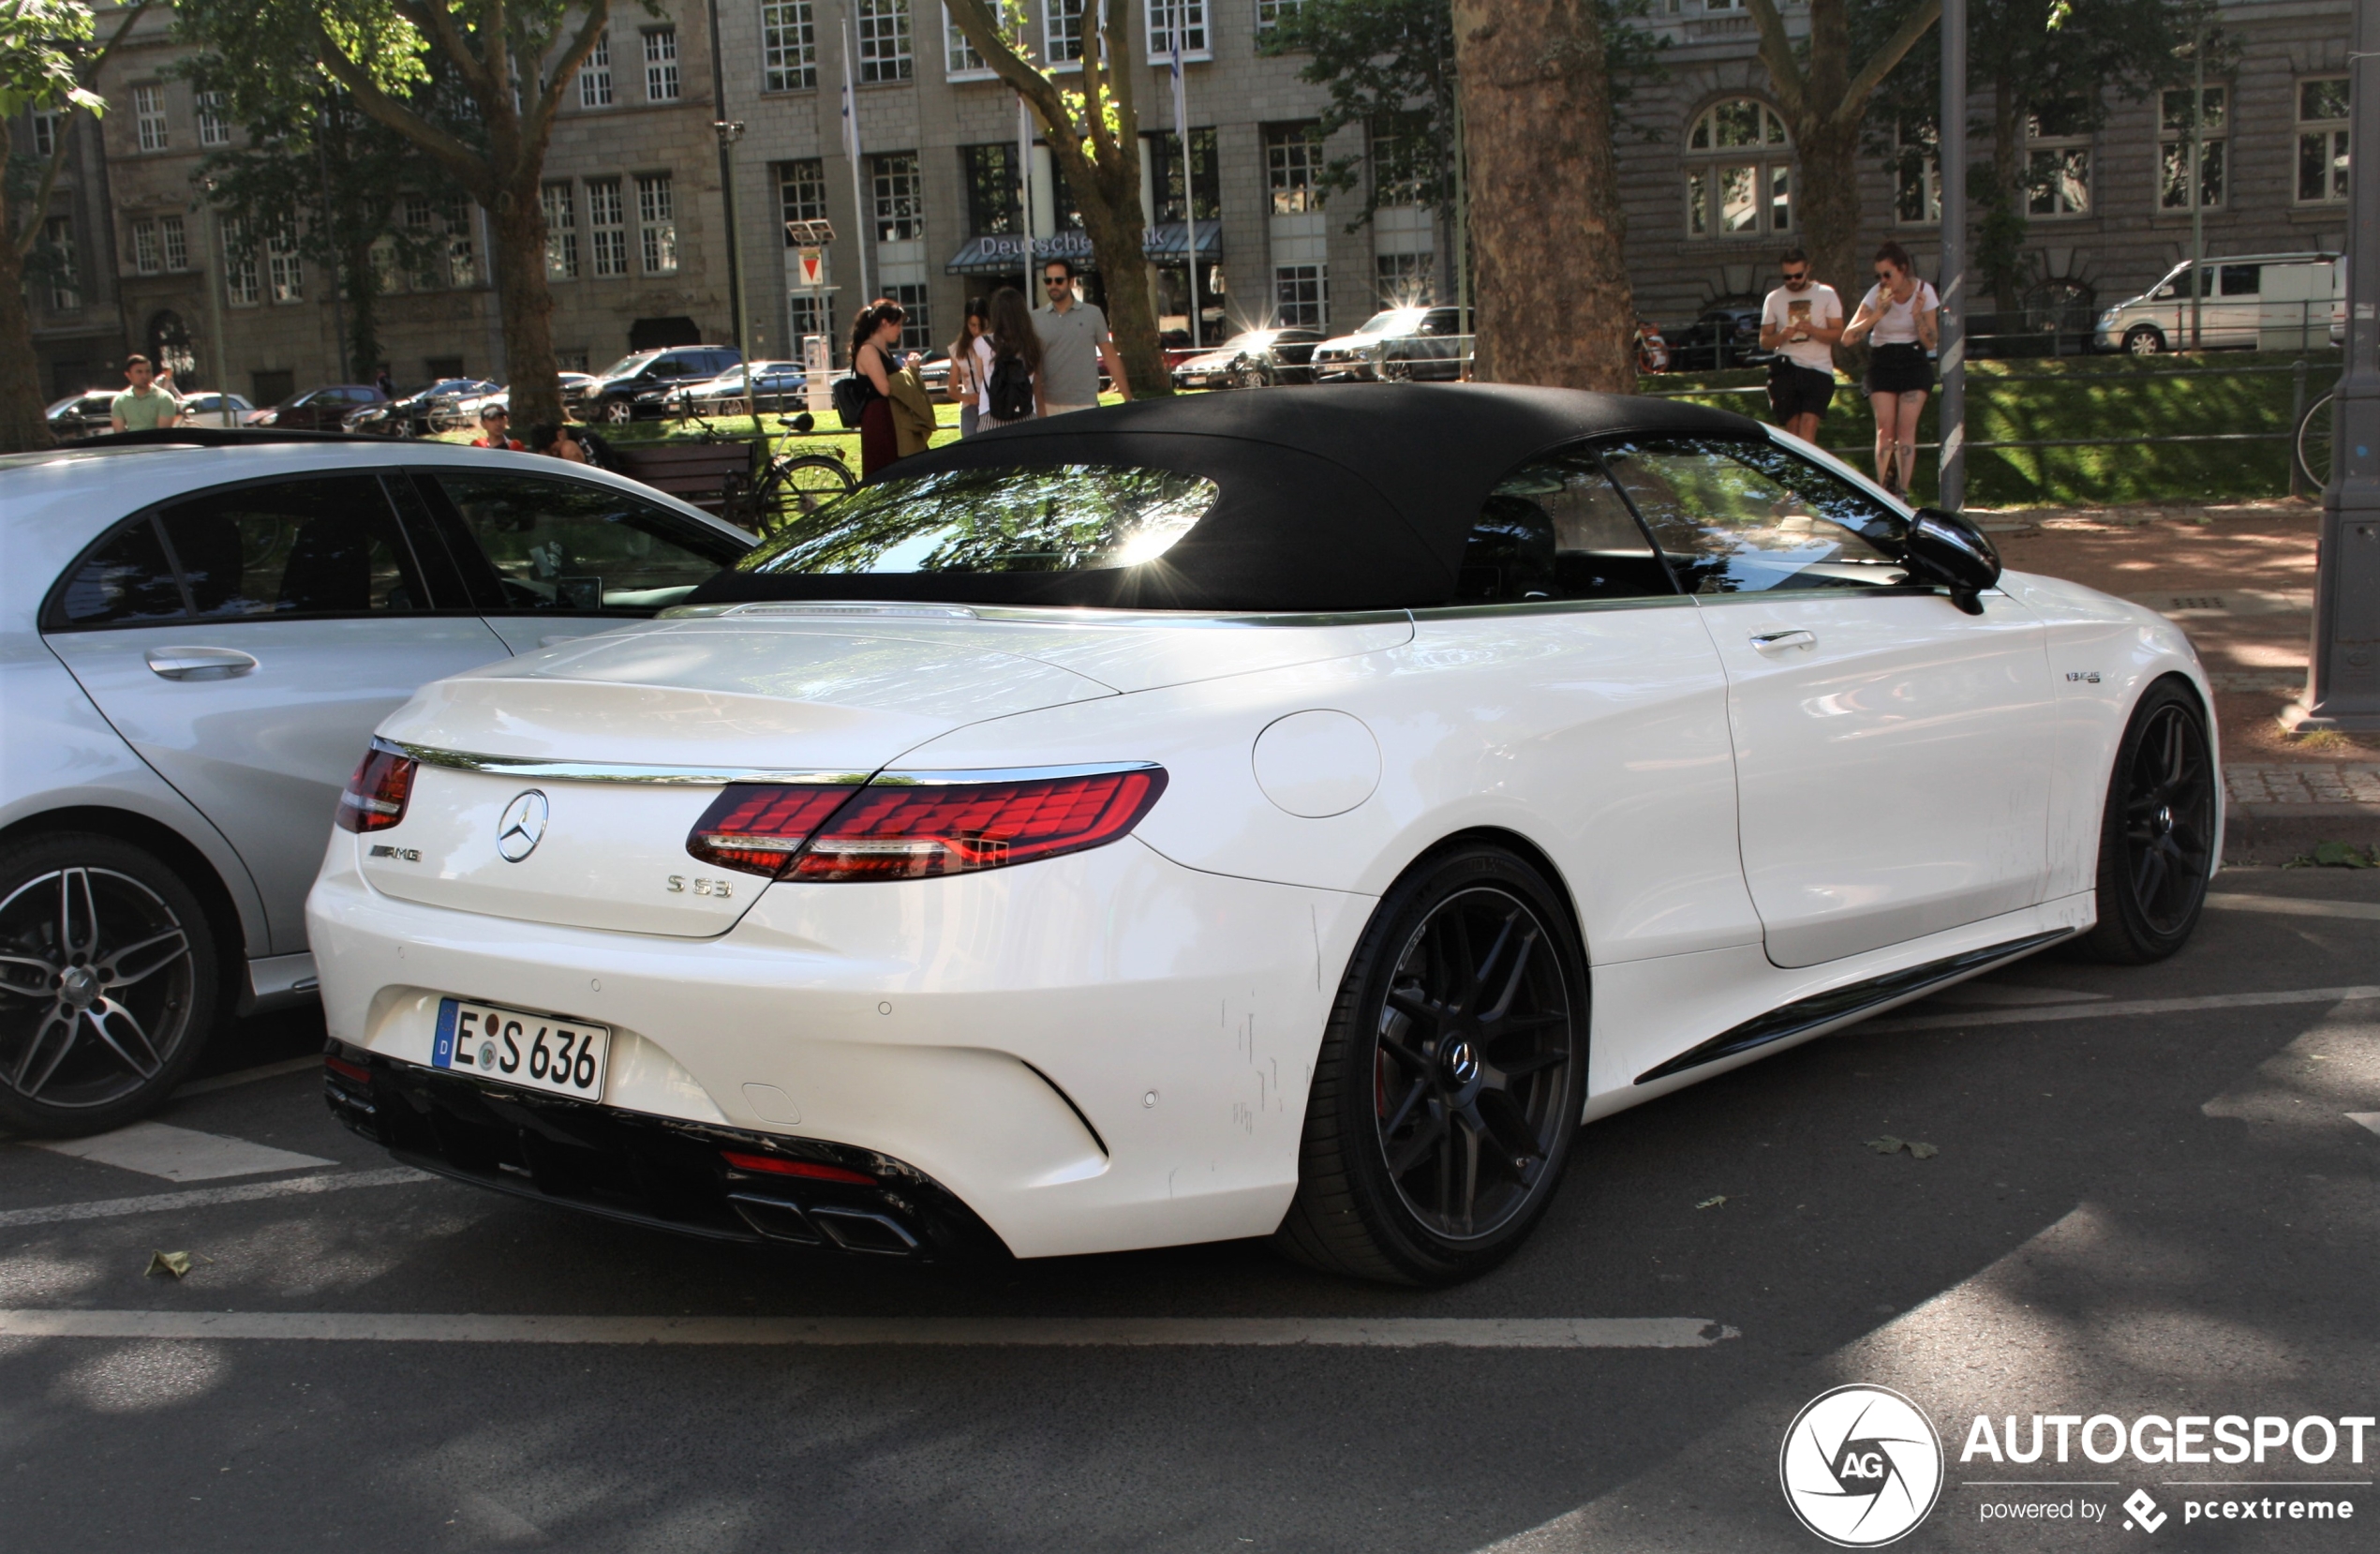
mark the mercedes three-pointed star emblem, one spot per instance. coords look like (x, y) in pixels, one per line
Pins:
(522, 826)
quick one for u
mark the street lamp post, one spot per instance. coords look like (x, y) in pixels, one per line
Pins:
(1950, 161)
(2342, 673)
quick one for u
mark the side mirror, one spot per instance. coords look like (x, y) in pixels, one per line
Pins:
(1946, 549)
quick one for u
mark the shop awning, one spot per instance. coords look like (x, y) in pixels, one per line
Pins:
(1004, 255)
(1170, 241)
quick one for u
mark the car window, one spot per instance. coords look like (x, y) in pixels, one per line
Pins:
(1556, 529)
(2242, 280)
(1746, 517)
(576, 548)
(669, 367)
(325, 545)
(125, 579)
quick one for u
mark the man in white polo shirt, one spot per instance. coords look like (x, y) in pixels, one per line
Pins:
(1801, 321)
(1073, 341)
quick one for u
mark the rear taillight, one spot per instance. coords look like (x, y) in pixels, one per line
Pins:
(758, 827)
(777, 1165)
(376, 795)
(913, 828)
(918, 831)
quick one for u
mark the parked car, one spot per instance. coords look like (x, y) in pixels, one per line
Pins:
(776, 385)
(632, 388)
(1365, 791)
(84, 414)
(208, 408)
(178, 722)
(1254, 359)
(418, 414)
(2240, 297)
(320, 410)
(1725, 335)
(1401, 342)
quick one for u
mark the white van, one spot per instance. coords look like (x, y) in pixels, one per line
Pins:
(2281, 302)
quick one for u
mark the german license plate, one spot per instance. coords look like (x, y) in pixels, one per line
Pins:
(536, 1052)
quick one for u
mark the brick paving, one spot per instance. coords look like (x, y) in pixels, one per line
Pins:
(2302, 784)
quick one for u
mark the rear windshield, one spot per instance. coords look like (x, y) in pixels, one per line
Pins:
(1066, 517)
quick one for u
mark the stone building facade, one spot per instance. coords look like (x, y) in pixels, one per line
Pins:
(932, 213)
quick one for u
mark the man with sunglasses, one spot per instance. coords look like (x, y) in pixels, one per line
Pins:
(1073, 341)
(1801, 321)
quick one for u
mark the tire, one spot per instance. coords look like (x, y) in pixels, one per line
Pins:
(89, 923)
(2157, 832)
(802, 486)
(1251, 375)
(1393, 1183)
(2144, 339)
(619, 412)
(2311, 444)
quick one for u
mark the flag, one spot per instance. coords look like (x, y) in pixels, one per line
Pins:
(850, 148)
(1024, 183)
(1189, 187)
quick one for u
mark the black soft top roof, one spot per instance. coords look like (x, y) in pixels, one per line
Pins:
(1335, 496)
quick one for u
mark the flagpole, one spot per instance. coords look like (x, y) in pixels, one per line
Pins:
(850, 148)
(1024, 185)
(1189, 176)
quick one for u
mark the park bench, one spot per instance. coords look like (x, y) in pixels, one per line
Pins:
(707, 475)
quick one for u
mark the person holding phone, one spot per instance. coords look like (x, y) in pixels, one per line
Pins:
(1899, 315)
(1801, 321)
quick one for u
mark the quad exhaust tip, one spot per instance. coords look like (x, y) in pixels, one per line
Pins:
(848, 1229)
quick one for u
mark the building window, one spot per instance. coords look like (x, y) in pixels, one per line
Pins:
(660, 65)
(1399, 156)
(884, 39)
(1404, 281)
(1168, 17)
(144, 248)
(1293, 167)
(2322, 141)
(1300, 295)
(1271, 13)
(240, 287)
(959, 61)
(66, 295)
(462, 251)
(656, 223)
(607, 226)
(281, 266)
(214, 129)
(1917, 176)
(788, 45)
(1062, 26)
(2058, 159)
(988, 174)
(595, 76)
(808, 316)
(561, 232)
(916, 331)
(421, 224)
(45, 135)
(801, 192)
(1206, 181)
(148, 116)
(900, 212)
(1739, 172)
(2175, 187)
(175, 240)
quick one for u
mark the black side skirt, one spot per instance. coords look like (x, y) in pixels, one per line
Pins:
(1854, 999)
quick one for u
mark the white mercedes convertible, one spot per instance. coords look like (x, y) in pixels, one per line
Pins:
(1289, 815)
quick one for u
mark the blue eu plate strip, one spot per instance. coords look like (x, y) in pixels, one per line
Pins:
(442, 1049)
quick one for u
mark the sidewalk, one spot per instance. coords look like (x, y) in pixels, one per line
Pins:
(2238, 579)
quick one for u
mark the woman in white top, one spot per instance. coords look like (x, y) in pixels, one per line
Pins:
(971, 365)
(1898, 318)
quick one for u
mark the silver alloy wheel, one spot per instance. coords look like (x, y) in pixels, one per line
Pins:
(619, 412)
(97, 987)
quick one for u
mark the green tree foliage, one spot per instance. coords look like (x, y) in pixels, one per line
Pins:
(2061, 65)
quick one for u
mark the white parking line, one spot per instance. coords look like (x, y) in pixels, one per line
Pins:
(840, 1332)
(2290, 906)
(201, 1198)
(180, 1154)
(2125, 1007)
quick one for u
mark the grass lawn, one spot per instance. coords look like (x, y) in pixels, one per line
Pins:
(2111, 396)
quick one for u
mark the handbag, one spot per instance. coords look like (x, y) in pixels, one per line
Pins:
(852, 393)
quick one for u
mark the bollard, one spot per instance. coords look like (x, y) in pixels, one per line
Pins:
(2297, 415)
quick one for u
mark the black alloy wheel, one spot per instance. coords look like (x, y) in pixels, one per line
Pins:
(1452, 1076)
(1249, 375)
(2157, 836)
(108, 979)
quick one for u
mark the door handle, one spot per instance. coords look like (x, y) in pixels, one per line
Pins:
(199, 663)
(1777, 642)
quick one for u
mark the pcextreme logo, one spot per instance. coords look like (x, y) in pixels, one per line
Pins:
(1860, 1466)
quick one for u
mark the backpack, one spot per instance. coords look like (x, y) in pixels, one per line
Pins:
(852, 393)
(1011, 389)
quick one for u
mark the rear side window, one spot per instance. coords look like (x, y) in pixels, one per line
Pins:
(575, 547)
(1744, 517)
(2242, 280)
(327, 545)
(126, 579)
(1557, 530)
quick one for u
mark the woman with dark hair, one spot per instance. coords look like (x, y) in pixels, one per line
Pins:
(1013, 355)
(967, 354)
(873, 335)
(1898, 312)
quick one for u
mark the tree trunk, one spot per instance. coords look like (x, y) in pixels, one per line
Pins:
(362, 344)
(1115, 239)
(518, 219)
(22, 426)
(1552, 301)
(2004, 219)
(1829, 211)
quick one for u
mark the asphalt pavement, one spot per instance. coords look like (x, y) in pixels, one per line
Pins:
(2147, 1193)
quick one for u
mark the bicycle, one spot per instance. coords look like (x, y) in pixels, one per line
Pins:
(2311, 442)
(790, 485)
